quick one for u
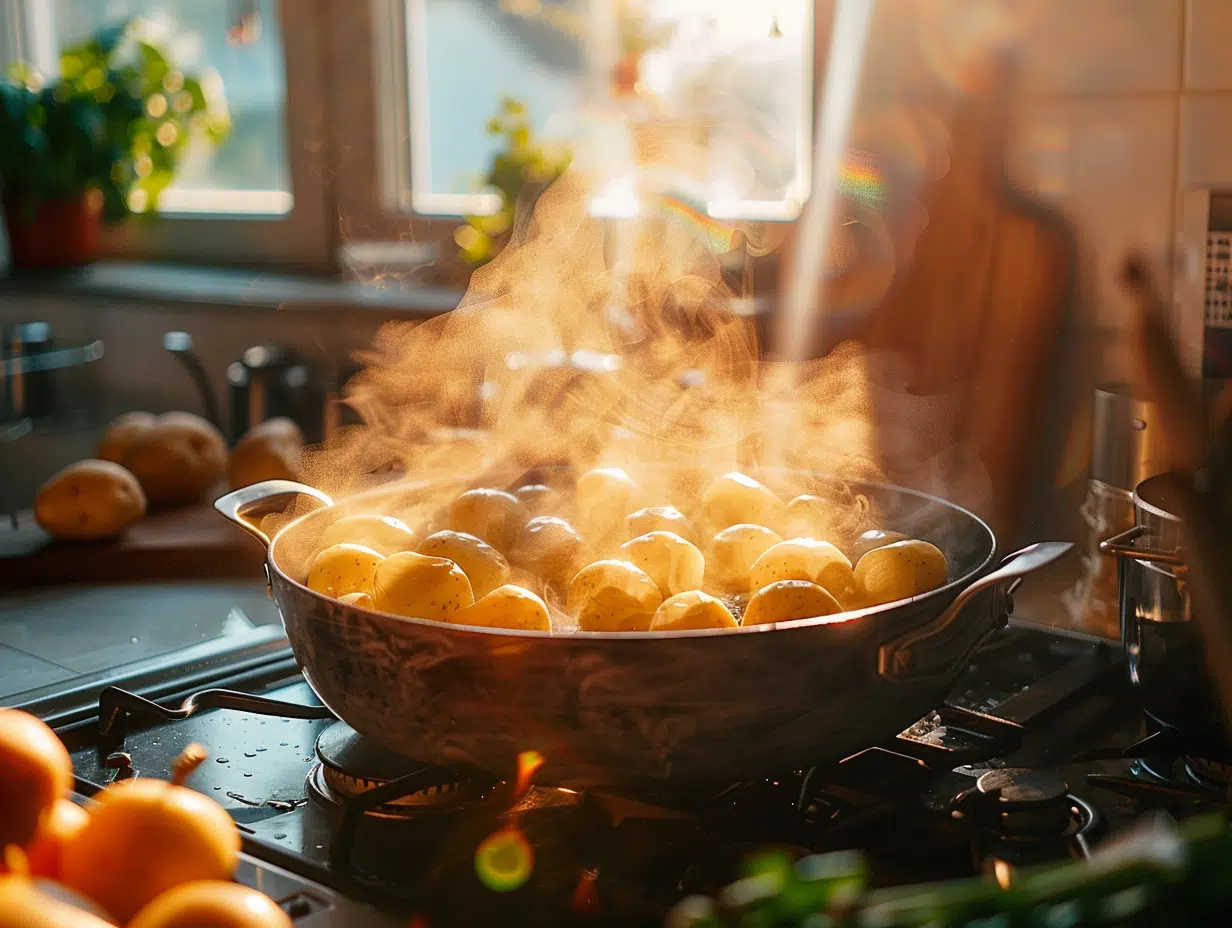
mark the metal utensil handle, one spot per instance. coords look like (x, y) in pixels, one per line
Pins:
(243, 505)
(901, 658)
(1122, 545)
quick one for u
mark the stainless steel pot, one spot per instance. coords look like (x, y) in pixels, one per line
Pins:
(1164, 649)
(640, 709)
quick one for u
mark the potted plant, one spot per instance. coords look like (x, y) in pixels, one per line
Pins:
(100, 143)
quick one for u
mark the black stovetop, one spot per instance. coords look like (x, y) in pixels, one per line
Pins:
(1036, 715)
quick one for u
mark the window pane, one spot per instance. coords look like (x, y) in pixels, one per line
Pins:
(242, 42)
(725, 86)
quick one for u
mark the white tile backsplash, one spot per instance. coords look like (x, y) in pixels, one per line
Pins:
(1208, 45)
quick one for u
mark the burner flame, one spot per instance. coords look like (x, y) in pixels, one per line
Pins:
(529, 763)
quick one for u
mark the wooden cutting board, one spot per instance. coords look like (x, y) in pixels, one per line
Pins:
(186, 542)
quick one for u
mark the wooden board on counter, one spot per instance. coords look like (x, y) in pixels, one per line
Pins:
(187, 542)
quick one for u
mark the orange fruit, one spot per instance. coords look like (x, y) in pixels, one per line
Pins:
(35, 771)
(61, 826)
(211, 904)
(145, 837)
(23, 905)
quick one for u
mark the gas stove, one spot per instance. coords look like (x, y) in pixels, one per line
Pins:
(1040, 753)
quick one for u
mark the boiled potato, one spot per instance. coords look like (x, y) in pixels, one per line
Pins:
(733, 552)
(613, 596)
(810, 516)
(493, 515)
(538, 498)
(549, 547)
(268, 451)
(121, 432)
(362, 600)
(786, 600)
(899, 571)
(506, 606)
(178, 459)
(380, 533)
(89, 501)
(672, 563)
(602, 499)
(736, 499)
(691, 610)
(805, 559)
(660, 519)
(484, 566)
(421, 586)
(344, 568)
(874, 538)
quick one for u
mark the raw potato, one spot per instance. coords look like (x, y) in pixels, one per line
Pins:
(899, 571)
(380, 533)
(507, 606)
(660, 519)
(550, 548)
(787, 600)
(342, 569)
(121, 432)
(362, 600)
(604, 496)
(539, 499)
(420, 586)
(805, 559)
(493, 515)
(613, 596)
(733, 552)
(484, 566)
(874, 538)
(178, 459)
(735, 498)
(691, 610)
(268, 451)
(89, 501)
(672, 563)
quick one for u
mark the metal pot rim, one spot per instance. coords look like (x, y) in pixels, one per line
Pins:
(1151, 487)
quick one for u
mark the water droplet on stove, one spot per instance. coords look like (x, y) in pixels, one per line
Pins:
(260, 750)
(250, 753)
(307, 760)
(217, 787)
(248, 774)
(223, 760)
(282, 744)
(279, 836)
(133, 639)
(319, 846)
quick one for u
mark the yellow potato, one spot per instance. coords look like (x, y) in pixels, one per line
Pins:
(672, 563)
(362, 600)
(380, 533)
(602, 499)
(493, 515)
(787, 600)
(268, 451)
(89, 501)
(121, 432)
(538, 498)
(549, 547)
(506, 606)
(875, 538)
(805, 559)
(484, 566)
(344, 568)
(660, 519)
(810, 516)
(899, 571)
(421, 586)
(733, 552)
(691, 610)
(177, 460)
(613, 596)
(735, 498)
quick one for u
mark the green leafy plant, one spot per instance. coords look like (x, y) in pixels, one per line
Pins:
(523, 160)
(119, 119)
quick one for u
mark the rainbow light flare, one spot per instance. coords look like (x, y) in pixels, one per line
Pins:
(504, 860)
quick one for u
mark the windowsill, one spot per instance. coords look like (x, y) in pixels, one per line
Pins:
(238, 287)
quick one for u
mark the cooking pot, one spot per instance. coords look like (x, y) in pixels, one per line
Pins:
(641, 709)
(1164, 650)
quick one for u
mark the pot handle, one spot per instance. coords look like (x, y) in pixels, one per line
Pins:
(1122, 545)
(247, 503)
(909, 655)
